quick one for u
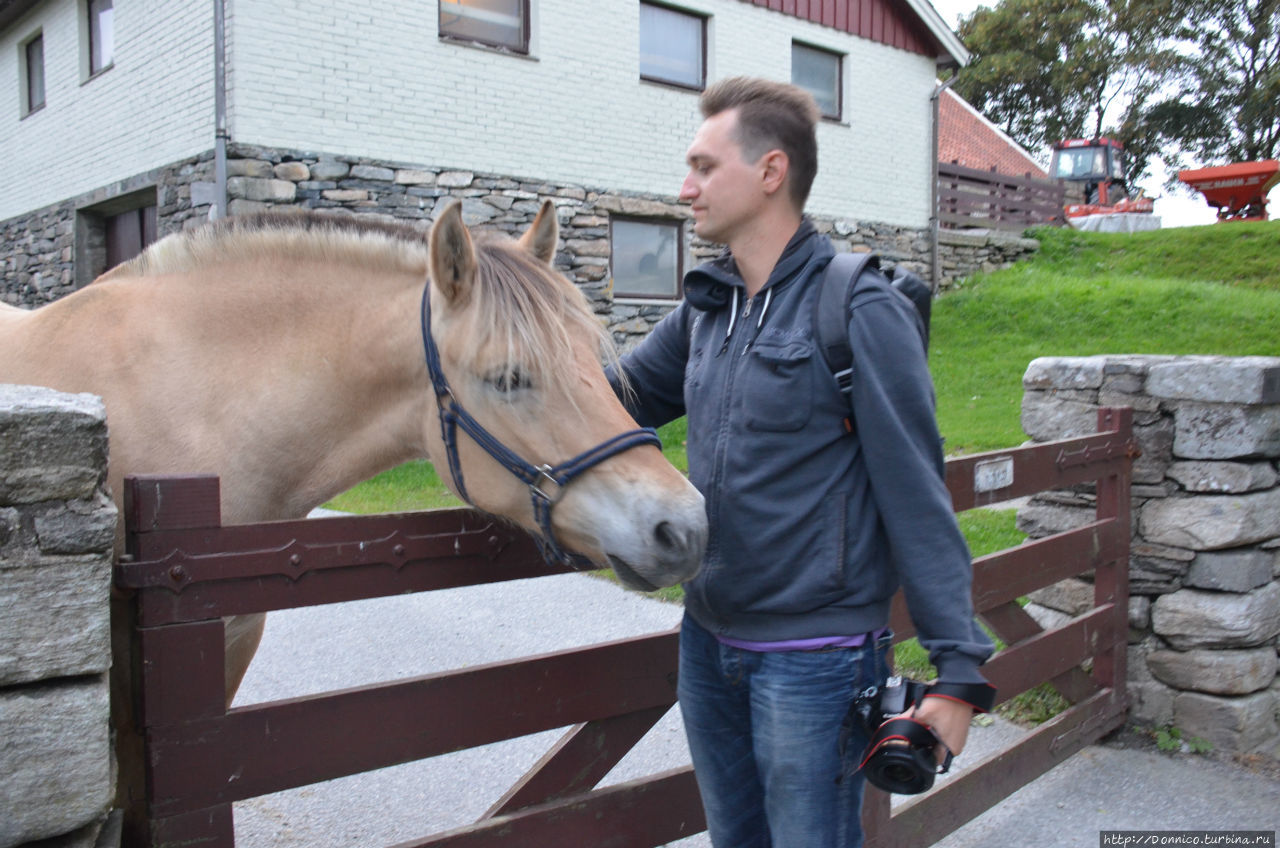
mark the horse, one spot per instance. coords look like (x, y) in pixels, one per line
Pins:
(296, 355)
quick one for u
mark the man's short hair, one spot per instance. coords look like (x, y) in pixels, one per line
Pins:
(771, 116)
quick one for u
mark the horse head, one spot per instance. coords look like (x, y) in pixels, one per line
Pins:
(528, 426)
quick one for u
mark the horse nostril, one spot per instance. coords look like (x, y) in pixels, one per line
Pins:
(666, 535)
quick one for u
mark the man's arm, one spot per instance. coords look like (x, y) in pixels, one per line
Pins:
(652, 383)
(893, 403)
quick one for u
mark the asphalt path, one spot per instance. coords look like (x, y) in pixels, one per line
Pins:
(318, 649)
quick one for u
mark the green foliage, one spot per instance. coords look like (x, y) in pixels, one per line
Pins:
(1229, 106)
(1171, 739)
(1197, 290)
(1176, 78)
(1049, 70)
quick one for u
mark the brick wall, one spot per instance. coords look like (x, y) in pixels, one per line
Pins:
(374, 80)
(152, 107)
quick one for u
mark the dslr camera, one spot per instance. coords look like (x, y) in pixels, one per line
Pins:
(900, 756)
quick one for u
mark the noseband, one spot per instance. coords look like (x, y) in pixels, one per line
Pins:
(546, 482)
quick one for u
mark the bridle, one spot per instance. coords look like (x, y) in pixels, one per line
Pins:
(539, 478)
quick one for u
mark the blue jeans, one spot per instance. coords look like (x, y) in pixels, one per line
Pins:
(764, 728)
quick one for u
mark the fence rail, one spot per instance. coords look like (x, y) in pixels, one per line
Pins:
(969, 197)
(185, 757)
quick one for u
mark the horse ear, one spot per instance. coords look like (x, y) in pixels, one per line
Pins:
(452, 255)
(541, 238)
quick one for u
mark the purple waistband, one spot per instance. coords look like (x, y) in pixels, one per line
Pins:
(816, 643)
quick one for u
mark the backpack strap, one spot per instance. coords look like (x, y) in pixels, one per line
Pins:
(831, 314)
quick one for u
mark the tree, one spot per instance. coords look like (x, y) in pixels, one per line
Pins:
(1047, 70)
(1228, 108)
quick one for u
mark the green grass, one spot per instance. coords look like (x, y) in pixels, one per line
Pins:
(1197, 290)
(407, 488)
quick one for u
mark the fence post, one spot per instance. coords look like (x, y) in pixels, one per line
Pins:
(141, 703)
(1111, 578)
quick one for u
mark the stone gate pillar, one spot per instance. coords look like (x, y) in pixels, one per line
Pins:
(1205, 599)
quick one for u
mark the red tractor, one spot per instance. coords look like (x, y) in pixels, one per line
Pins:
(1097, 167)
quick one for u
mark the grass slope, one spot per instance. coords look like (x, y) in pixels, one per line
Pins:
(1195, 290)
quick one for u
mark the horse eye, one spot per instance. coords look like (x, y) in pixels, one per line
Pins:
(509, 381)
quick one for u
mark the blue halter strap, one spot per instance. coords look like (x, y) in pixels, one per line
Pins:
(545, 482)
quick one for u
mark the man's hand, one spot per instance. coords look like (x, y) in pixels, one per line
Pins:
(949, 719)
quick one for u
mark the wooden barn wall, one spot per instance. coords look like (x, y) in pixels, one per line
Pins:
(888, 22)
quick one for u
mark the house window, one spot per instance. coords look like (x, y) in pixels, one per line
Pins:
(673, 46)
(496, 23)
(102, 42)
(645, 258)
(817, 71)
(32, 72)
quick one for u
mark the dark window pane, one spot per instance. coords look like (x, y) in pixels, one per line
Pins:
(35, 73)
(817, 72)
(501, 23)
(102, 42)
(671, 47)
(645, 258)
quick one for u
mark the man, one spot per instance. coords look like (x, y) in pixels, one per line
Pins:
(813, 525)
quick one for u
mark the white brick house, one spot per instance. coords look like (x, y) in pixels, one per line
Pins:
(393, 95)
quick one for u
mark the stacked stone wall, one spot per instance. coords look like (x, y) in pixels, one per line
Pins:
(57, 529)
(40, 250)
(965, 252)
(1204, 570)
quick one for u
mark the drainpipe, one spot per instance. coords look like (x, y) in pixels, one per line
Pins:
(936, 271)
(219, 208)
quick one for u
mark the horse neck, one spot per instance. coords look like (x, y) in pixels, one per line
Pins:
(335, 375)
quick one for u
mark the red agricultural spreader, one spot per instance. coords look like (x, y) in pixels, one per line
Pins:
(1237, 191)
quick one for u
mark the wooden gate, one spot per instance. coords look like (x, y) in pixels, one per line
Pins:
(1034, 655)
(185, 758)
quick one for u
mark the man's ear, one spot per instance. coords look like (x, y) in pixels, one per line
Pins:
(776, 166)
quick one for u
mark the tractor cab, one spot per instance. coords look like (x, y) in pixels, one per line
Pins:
(1097, 167)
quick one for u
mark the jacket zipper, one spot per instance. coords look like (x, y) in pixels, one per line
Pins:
(723, 431)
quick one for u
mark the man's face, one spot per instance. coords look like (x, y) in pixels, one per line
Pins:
(722, 188)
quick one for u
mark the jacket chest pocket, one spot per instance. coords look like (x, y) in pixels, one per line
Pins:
(778, 390)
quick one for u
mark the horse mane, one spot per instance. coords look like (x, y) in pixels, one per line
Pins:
(518, 304)
(343, 239)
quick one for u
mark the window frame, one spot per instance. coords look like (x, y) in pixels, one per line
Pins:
(26, 102)
(88, 24)
(839, 92)
(675, 224)
(526, 30)
(702, 38)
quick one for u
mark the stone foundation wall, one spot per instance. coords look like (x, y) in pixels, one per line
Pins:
(57, 528)
(1204, 571)
(51, 252)
(964, 252)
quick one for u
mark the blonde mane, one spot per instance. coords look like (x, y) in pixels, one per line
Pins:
(369, 244)
(521, 307)
(530, 313)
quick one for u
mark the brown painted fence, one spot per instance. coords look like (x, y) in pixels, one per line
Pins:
(969, 197)
(185, 758)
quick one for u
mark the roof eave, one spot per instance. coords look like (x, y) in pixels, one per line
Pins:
(954, 54)
(11, 10)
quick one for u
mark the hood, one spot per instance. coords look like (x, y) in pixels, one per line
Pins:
(712, 285)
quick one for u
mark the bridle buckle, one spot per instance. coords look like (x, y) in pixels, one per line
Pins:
(538, 486)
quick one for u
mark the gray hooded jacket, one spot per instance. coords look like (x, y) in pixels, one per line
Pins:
(813, 527)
